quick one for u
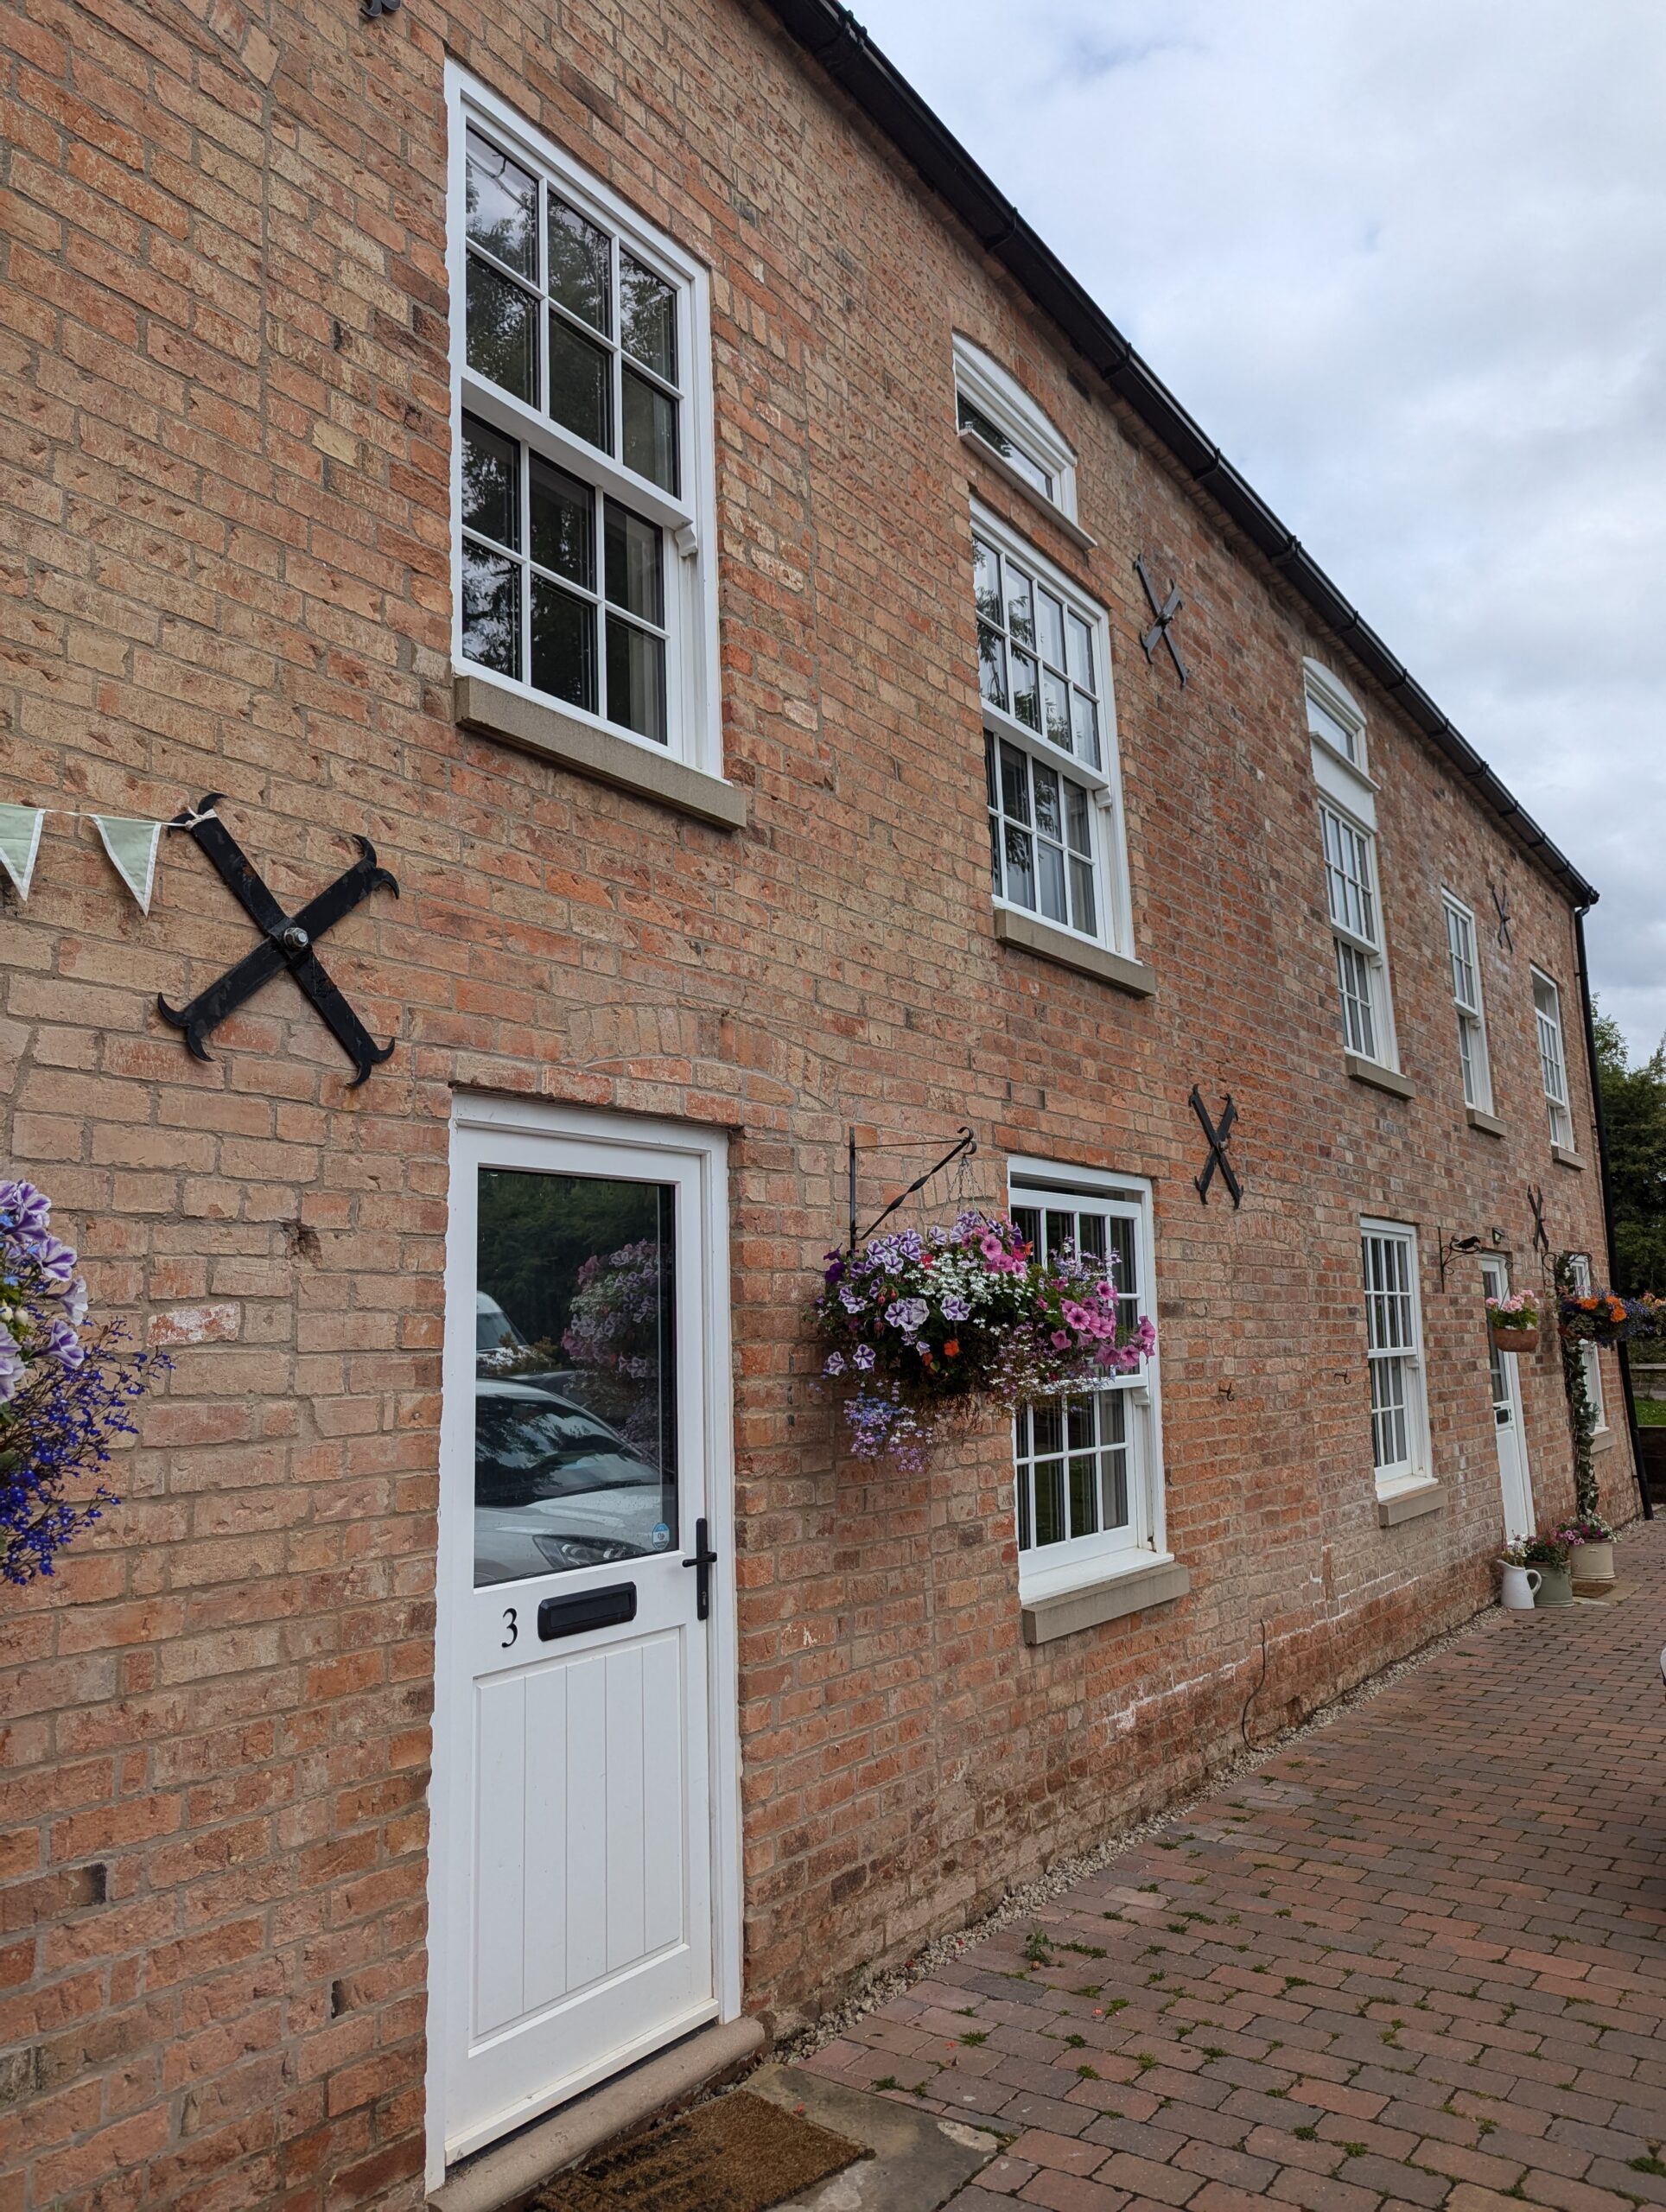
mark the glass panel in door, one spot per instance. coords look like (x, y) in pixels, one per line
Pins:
(576, 1374)
(1501, 1390)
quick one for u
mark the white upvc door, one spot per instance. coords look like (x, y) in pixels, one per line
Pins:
(583, 1850)
(1515, 1482)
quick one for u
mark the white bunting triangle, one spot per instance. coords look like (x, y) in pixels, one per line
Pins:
(20, 841)
(132, 850)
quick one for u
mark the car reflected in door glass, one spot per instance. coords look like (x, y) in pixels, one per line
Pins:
(575, 1394)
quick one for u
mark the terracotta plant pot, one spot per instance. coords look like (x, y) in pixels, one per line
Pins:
(1593, 1569)
(1556, 1586)
(1517, 1339)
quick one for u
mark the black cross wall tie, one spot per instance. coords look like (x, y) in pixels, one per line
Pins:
(1217, 1136)
(1541, 1235)
(289, 940)
(1501, 901)
(1165, 610)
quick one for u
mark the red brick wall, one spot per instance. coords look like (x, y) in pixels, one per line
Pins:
(222, 340)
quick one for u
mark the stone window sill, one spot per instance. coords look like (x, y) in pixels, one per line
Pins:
(1409, 1505)
(991, 459)
(1131, 1590)
(535, 727)
(1046, 943)
(1602, 1439)
(1379, 1078)
(1565, 1157)
(1489, 1124)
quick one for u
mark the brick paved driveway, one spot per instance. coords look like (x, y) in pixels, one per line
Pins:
(1419, 1959)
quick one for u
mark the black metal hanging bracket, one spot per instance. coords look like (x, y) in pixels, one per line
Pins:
(962, 1148)
(1447, 1250)
(1217, 1134)
(1160, 633)
(290, 942)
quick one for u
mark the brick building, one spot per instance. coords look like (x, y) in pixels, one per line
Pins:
(631, 466)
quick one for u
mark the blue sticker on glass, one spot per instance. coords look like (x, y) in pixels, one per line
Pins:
(659, 1535)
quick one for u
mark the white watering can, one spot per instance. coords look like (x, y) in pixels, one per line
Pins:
(1519, 1585)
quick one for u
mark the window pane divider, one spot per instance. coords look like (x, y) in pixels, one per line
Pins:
(1365, 945)
(502, 411)
(529, 280)
(1042, 748)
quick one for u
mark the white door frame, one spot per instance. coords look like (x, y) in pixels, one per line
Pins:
(1494, 1283)
(708, 1148)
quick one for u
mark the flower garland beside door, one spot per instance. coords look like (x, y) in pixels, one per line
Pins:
(1599, 1318)
(931, 1331)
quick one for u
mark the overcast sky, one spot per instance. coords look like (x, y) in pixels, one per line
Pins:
(1405, 261)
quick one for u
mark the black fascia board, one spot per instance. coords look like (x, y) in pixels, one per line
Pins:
(832, 36)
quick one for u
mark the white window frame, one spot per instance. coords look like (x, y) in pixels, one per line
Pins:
(694, 727)
(1112, 903)
(1335, 718)
(1356, 938)
(1553, 1060)
(1414, 1470)
(1463, 953)
(1337, 750)
(1080, 1562)
(997, 395)
(1590, 1357)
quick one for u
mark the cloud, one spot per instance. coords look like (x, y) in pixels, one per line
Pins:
(1405, 263)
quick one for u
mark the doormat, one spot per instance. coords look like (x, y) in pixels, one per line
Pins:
(736, 2154)
(1598, 1593)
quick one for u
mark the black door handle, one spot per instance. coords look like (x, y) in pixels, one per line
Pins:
(590, 1609)
(704, 1560)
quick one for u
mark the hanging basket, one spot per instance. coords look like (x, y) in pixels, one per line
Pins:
(1517, 1339)
(926, 1332)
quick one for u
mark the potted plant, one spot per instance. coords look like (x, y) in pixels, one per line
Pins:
(1520, 1583)
(1514, 1321)
(929, 1332)
(1549, 1555)
(1591, 1543)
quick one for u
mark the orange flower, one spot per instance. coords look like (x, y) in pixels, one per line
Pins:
(952, 1348)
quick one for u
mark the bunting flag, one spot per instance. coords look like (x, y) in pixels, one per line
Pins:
(20, 841)
(131, 844)
(132, 850)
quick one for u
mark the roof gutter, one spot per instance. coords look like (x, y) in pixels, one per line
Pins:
(833, 37)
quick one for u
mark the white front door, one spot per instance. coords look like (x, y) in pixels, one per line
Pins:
(573, 1881)
(1514, 1481)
